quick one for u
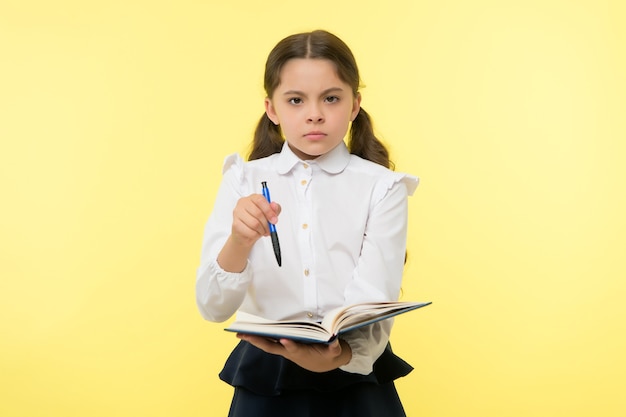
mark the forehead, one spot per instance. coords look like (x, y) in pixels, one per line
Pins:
(309, 74)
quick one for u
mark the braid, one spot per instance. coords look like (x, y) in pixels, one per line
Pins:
(365, 144)
(267, 139)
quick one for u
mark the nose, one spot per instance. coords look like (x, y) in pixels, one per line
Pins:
(315, 114)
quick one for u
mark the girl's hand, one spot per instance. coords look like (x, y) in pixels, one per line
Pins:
(250, 218)
(313, 357)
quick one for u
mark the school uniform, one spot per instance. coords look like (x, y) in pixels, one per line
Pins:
(342, 232)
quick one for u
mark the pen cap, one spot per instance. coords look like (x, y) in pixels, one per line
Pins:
(266, 191)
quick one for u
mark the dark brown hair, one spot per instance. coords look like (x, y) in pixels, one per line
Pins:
(318, 44)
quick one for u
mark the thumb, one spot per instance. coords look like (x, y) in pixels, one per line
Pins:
(289, 345)
(334, 348)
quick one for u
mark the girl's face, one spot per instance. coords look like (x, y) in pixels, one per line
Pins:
(313, 106)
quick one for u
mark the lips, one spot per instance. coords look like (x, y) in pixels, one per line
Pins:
(314, 135)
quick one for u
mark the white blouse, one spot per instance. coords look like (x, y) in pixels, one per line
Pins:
(342, 232)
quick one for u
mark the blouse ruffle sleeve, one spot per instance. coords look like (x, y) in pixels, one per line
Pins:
(390, 181)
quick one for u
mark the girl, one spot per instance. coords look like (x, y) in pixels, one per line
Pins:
(342, 229)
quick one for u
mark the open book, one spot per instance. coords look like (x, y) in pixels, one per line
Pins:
(336, 322)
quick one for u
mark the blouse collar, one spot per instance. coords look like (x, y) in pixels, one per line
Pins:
(332, 162)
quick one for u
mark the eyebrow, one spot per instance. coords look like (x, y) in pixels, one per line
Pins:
(301, 93)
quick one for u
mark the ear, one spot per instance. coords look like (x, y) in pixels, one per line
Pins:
(271, 112)
(356, 106)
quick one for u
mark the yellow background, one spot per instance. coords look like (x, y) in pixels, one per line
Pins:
(115, 118)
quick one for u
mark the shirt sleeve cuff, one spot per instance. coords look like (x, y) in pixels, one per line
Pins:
(230, 277)
(361, 362)
(220, 293)
(367, 344)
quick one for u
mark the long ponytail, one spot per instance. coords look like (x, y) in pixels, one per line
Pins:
(365, 144)
(267, 139)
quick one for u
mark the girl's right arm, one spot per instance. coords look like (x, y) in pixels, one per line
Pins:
(236, 223)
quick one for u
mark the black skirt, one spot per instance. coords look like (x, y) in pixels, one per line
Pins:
(270, 385)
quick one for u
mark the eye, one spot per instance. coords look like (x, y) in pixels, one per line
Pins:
(332, 99)
(295, 100)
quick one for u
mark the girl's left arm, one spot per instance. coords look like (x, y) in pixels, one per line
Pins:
(378, 275)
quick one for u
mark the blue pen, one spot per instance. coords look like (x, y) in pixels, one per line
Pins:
(273, 234)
